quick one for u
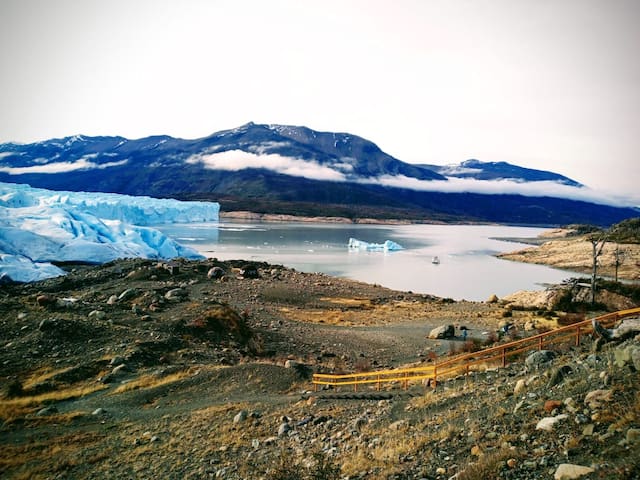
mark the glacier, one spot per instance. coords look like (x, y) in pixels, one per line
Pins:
(38, 227)
(387, 246)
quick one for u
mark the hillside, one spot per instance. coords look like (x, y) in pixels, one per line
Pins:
(135, 369)
(299, 171)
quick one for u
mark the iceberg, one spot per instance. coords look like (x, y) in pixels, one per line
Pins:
(40, 226)
(387, 246)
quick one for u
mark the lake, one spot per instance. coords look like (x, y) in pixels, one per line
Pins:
(467, 269)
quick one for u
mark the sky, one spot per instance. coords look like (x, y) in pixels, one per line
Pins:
(545, 84)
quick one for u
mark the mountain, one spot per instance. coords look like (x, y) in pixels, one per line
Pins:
(296, 170)
(500, 171)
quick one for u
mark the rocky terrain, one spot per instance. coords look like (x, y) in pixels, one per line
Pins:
(202, 369)
(559, 249)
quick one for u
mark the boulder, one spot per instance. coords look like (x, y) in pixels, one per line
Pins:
(443, 331)
(568, 471)
(548, 423)
(627, 329)
(249, 271)
(176, 294)
(539, 359)
(127, 294)
(283, 429)
(596, 398)
(240, 417)
(215, 273)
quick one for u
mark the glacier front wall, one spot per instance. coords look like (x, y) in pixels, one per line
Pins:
(39, 226)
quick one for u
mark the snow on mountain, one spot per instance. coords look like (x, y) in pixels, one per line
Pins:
(39, 226)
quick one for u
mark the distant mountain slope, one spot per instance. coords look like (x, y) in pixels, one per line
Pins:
(499, 171)
(295, 170)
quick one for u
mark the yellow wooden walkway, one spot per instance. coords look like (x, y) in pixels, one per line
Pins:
(497, 355)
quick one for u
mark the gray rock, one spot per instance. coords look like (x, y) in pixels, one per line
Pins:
(50, 410)
(99, 411)
(240, 417)
(283, 429)
(548, 423)
(539, 359)
(568, 471)
(443, 331)
(557, 375)
(215, 273)
(176, 294)
(596, 398)
(633, 435)
(127, 294)
(117, 360)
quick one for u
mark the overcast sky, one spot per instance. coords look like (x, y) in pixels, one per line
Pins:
(547, 84)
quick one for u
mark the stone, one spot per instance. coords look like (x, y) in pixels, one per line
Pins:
(548, 423)
(551, 405)
(512, 462)
(291, 364)
(476, 451)
(633, 435)
(99, 411)
(50, 410)
(492, 299)
(568, 471)
(443, 331)
(249, 271)
(557, 375)
(127, 294)
(283, 429)
(627, 329)
(241, 416)
(539, 359)
(215, 273)
(587, 431)
(113, 299)
(635, 357)
(520, 384)
(175, 294)
(97, 314)
(45, 300)
(596, 398)
(622, 356)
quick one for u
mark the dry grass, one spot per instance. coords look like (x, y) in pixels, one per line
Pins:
(152, 381)
(13, 408)
(487, 466)
(38, 459)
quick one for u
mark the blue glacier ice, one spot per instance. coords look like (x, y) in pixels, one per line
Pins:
(40, 226)
(387, 246)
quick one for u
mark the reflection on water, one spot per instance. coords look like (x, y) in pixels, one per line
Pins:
(467, 267)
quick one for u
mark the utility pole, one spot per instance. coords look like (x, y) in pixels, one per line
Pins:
(597, 243)
(619, 257)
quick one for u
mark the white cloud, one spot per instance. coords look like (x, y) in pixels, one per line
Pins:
(499, 187)
(235, 160)
(61, 167)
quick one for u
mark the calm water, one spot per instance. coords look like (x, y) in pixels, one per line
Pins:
(467, 268)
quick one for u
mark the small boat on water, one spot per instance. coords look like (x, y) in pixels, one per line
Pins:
(435, 260)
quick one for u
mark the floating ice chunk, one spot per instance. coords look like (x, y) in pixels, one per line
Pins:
(387, 246)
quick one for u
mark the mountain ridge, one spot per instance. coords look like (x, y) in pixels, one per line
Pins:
(297, 165)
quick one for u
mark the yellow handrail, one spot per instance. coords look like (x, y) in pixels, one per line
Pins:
(463, 362)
